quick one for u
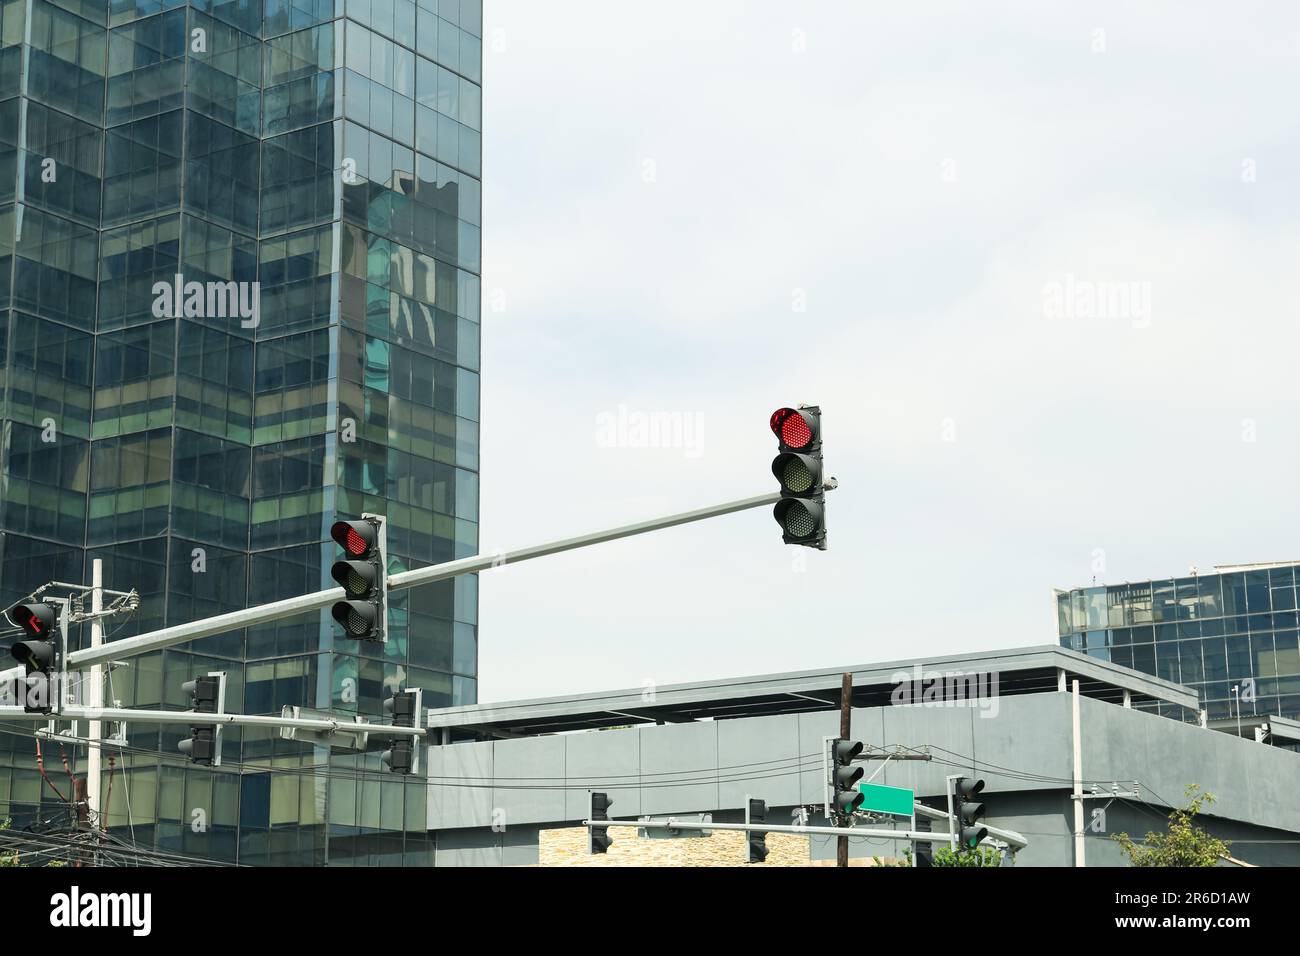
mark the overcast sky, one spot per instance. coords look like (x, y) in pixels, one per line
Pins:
(1038, 267)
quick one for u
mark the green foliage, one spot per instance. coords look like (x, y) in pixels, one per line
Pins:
(9, 859)
(1184, 845)
(15, 858)
(979, 856)
(906, 859)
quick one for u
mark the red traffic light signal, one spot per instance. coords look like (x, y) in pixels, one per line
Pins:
(358, 538)
(39, 655)
(362, 573)
(795, 428)
(798, 467)
(37, 620)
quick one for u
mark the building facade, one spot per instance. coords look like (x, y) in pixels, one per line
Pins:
(239, 298)
(1235, 627)
(711, 746)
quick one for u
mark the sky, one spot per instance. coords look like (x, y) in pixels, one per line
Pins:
(1037, 266)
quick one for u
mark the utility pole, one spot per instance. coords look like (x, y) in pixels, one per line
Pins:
(1078, 778)
(846, 718)
(95, 699)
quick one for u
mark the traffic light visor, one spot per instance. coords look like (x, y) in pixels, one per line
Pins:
(357, 537)
(357, 617)
(846, 777)
(799, 474)
(798, 518)
(357, 577)
(846, 750)
(849, 800)
(792, 427)
(37, 655)
(38, 620)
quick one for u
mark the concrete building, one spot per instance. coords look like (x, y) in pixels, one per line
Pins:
(504, 773)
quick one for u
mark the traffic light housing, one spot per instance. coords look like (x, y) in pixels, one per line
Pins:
(598, 838)
(801, 512)
(207, 696)
(39, 654)
(846, 797)
(755, 842)
(362, 574)
(404, 709)
(968, 812)
(400, 756)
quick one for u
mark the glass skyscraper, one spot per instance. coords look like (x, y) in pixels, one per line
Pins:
(321, 160)
(1235, 626)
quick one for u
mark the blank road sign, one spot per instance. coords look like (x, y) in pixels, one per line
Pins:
(882, 799)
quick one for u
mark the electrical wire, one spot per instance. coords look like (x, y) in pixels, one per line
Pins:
(777, 767)
(126, 781)
(799, 765)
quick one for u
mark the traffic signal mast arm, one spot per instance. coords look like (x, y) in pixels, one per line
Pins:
(1010, 837)
(190, 717)
(278, 610)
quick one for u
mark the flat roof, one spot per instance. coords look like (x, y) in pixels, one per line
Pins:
(1023, 670)
(1219, 569)
(1284, 728)
(1280, 728)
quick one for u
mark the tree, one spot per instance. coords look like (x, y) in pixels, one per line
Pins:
(8, 859)
(15, 858)
(978, 856)
(1184, 845)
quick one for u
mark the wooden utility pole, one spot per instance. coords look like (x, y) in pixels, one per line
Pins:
(846, 718)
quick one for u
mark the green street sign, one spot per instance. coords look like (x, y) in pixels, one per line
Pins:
(882, 799)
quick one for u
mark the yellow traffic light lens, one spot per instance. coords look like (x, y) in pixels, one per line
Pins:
(798, 522)
(357, 584)
(796, 476)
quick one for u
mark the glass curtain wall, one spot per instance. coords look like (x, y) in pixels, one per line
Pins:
(1212, 632)
(322, 159)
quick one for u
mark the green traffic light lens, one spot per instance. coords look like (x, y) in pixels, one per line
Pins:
(796, 476)
(798, 522)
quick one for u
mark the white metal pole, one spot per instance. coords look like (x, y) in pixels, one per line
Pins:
(95, 699)
(857, 833)
(1008, 836)
(1078, 779)
(278, 610)
(196, 719)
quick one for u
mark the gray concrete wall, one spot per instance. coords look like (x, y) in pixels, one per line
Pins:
(1023, 749)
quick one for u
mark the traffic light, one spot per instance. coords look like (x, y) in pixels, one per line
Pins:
(845, 776)
(598, 839)
(968, 812)
(207, 696)
(362, 574)
(404, 708)
(756, 843)
(801, 512)
(39, 655)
